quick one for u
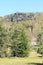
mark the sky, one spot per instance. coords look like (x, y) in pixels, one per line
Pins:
(12, 6)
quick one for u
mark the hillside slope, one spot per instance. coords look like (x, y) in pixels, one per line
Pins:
(31, 22)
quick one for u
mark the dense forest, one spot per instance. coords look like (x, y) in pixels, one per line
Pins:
(21, 33)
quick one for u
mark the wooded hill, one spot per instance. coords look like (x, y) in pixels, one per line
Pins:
(25, 28)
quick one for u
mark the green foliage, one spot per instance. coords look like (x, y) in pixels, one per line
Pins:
(19, 41)
(40, 44)
(13, 42)
(40, 50)
(39, 39)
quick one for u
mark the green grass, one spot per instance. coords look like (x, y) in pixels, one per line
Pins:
(20, 61)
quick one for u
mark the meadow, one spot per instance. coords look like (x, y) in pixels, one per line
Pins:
(20, 61)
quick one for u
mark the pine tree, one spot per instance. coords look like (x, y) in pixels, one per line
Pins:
(19, 42)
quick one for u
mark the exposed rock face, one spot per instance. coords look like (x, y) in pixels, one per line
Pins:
(19, 17)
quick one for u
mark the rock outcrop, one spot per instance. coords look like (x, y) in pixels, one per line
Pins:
(19, 17)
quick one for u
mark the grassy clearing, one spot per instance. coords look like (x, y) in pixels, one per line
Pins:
(20, 61)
